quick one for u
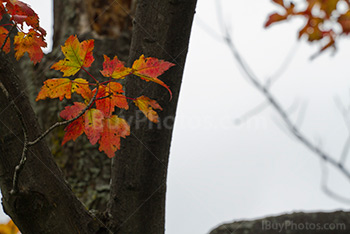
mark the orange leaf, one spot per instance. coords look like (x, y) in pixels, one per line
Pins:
(31, 43)
(112, 97)
(273, 18)
(146, 105)
(113, 129)
(114, 68)
(93, 125)
(76, 128)
(77, 55)
(150, 68)
(9, 228)
(3, 34)
(63, 87)
(81, 86)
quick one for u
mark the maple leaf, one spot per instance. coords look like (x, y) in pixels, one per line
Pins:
(77, 55)
(22, 12)
(81, 86)
(150, 68)
(31, 43)
(3, 35)
(109, 97)
(114, 68)
(76, 128)
(64, 87)
(113, 129)
(93, 125)
(275, 17)
(344, 21)
(9, 228)
(146, 105)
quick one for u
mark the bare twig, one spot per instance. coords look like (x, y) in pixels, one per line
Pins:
(291, 126)
(64, 122)
(324, 186)
(20, 166)
(27, 144)
(252, 112)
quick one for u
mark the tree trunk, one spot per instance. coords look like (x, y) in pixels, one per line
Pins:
(139, 171)
(297, 223)
(45, 203)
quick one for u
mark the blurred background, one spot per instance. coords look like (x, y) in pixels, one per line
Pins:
(231, 156)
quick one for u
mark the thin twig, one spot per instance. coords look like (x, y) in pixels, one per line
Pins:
(325, 188)
(64, 122)
(252, 112)
(27, 144)
(20, 166)
(279, 109)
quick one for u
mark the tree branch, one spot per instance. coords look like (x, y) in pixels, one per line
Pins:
(292, 127)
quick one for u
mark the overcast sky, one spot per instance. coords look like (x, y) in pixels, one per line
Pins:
(220, 171)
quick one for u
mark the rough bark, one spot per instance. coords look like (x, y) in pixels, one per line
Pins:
(45, 203)
(296, 223)
(139, 171)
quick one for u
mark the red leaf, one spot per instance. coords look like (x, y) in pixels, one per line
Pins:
(18, 8)
(76, 128)
(344, 21)
(113, 129)
(150, 68)
(114, 68)
(93, 125)
(112, 97)
(3, 35)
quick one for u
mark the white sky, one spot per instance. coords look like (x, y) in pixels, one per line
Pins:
(220, 171)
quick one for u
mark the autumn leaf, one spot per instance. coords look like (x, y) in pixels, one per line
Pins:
(9, 228)
(150, 68)
(76, 128)
(81, 86)
(22, 12)
(31, 43)
(77, 55)
(113, 129)
(344, 21)
(146, 105)
(275, 17)
(114, 68)
(3, 35)
(93, 125)
(109, 97)
(64, 87)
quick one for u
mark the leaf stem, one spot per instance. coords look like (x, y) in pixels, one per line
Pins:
(89, 74)
(65, 122)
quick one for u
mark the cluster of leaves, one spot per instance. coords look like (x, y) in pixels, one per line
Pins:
(9, 228)
(99, 124)
(323, 18)
(31, 41)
